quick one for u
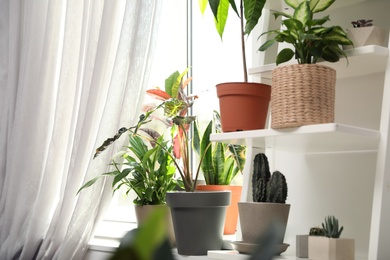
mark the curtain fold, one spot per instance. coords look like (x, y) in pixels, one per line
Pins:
(71, 74)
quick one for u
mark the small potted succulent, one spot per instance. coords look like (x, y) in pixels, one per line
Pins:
(311, 42)
(331, 246)
(365, 33)
(251, 100)
(302, 241)
(221, 163)
(269, 194)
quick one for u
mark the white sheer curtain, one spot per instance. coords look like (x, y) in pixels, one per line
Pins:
(72, 72)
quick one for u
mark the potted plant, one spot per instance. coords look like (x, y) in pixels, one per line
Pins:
(251, 100)
(146, 169)
(269, 194)
(331, 246)
(303, 93)
(205, 211)
(365, 33)
(221, 163)
(302, 242)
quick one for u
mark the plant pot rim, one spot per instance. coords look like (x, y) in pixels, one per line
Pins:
(242, 82)
(198, 198)
(263, 203)
(303, 65)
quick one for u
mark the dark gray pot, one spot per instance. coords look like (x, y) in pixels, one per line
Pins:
(198, 220)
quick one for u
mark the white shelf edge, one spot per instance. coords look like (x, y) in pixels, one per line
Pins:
(356, 57)
(309, 139)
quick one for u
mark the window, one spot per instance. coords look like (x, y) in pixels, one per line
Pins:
(212, 61)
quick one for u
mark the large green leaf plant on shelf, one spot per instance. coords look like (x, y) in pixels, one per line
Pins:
(152, 159)
(310, 39)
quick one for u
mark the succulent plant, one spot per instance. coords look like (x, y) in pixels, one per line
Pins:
(331, 227)
(316, 231)
(362, 23)
(267, 188)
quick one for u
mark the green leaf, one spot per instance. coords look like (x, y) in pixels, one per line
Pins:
(320, 5)
(318, 22)
(252, 12)
(222, 15)
(284, 56)
(92, 181)
(294, 3)
(219, 163)
(123, 174)
(214, 4)
(303, 13)
(293, 24)
(229, 172)
(196, 139)
(177, 84)
(206, 152)
(170, 81)
(233, 5)
(267, 44)
(202, 5)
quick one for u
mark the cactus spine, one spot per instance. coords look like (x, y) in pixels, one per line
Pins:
(267, 188)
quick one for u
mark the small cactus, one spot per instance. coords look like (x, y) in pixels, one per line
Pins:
(267, 188)
(316, 231)
(331, 227)
(260, 178)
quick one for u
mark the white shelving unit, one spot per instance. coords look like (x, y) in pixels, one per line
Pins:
(334, 138)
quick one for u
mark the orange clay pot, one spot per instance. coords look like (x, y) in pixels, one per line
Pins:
(243, 106)
(232, 210)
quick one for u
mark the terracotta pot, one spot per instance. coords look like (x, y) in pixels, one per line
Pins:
(198, 219)
(257, 217)
(232, 210)
(143, 212)
(243, 106)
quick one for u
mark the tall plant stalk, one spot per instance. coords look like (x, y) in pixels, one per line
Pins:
(243, 42)
(249, 13)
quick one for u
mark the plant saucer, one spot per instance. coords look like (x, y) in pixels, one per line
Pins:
(248, 248)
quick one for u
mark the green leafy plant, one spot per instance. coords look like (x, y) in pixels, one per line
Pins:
(362, 23)
(311, 40)
(174, 104)
(250, 12)
(267, 188)
(331, 227)
(148, 171)
(221, 161)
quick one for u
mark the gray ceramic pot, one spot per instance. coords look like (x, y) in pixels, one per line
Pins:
(198, 220)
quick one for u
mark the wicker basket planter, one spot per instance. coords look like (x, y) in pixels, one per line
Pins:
(302, 94)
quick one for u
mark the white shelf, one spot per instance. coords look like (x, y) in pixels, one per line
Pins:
(361, 61)
(280, 4)
(308, 139)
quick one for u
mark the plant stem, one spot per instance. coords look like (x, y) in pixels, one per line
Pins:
(243, 41)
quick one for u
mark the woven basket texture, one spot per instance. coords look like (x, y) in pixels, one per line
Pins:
(302, 94)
